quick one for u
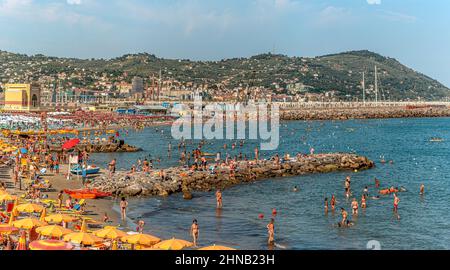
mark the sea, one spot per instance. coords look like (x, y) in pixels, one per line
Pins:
(301, 223)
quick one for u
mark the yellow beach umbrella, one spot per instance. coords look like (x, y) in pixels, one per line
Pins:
(7, 197)
(110, 233)
(53, 231)
(214, 247)
(82, 238)
(58, 218)
(141, 239)
(30, 208)
(28, 223)
(173, 244)
(3, 192)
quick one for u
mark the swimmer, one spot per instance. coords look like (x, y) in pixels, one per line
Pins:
(295, 189)
(333, 202)
(422, 189)
(326, 205)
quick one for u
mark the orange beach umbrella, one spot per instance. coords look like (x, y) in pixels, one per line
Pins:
(173, 244)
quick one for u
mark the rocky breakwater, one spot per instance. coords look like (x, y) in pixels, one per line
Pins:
(362, 113)
(101, 148)
(179, 179)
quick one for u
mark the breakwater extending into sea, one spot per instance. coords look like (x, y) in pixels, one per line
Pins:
(181, 179)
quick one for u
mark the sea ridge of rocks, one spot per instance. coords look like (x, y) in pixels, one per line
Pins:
(181, 179)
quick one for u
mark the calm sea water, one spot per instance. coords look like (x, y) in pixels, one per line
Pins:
(301, 223)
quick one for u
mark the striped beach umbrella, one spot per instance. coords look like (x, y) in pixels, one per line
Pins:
(50, 245)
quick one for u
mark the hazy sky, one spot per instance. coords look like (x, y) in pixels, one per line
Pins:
(416, 32)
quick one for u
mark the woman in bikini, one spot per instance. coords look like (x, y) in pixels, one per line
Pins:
(194, 232)
(355, 206)
(123, 208)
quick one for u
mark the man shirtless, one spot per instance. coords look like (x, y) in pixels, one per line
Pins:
(422, 189)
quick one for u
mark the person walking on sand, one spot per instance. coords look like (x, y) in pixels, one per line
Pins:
(123, 208)
(195, 232)
(271, 232)
(219, 199)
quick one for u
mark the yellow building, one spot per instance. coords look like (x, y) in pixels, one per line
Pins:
(22, 97)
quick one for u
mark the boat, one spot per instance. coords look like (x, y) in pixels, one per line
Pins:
(87, 193)
(91, 169)
(436, 139)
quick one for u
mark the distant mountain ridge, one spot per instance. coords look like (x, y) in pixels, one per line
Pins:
(336, 74)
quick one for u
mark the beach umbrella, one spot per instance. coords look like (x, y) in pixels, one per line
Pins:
(7, 197)
(70, 144)
(22, 241)
(53, 231)
(28, 223)
(30, 208)
(82, 238)
(59, 218)
(8, 229)
(50, 245)
(3, 192)
(141, 239)
(110, 233)
(173, 244)
(214, 247)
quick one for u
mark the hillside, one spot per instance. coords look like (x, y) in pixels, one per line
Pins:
(339, 74)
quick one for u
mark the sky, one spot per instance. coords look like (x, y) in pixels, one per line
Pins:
(415, 32)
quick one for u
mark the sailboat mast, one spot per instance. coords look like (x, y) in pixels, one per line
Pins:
(364, 88)
(376, 85)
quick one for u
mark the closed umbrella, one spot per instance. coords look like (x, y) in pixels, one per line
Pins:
(22, 241)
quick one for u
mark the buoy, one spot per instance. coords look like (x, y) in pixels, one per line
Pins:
(274, 212)
(260, 216)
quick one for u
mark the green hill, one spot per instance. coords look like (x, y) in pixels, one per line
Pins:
(340, 73)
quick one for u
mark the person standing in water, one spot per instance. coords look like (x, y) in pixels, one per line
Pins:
(344, 216)
(363, 202)
(271, 231)
(396, 202)
(422, 189)
(219, 199)
(194, 232)
(333, 202)
(326, 205)
(355, 206)
(123, 208)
